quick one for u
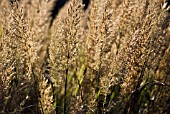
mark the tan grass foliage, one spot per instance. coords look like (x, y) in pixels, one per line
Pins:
(112, 58)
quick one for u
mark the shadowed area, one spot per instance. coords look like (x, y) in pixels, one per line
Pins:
(59, 4)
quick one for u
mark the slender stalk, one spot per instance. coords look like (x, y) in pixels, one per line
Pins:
(65, 92)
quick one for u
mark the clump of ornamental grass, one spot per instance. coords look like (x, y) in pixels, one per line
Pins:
(162, 75)
(100, 48)
(22, 57)
(117, 63)
(143, 46)
(67, 61)
(16, 81)
(40, 34)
